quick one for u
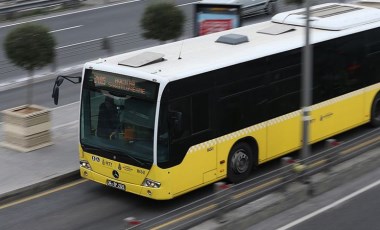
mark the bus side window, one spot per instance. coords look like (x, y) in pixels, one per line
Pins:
(373, 55)
(231, 114)
(180, 108)
(339, 65)
(200, 112)
(284, 91)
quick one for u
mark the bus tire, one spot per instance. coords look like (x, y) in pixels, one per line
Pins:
(375, 111)
(240, 162)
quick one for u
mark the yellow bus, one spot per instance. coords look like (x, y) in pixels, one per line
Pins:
(165, 120)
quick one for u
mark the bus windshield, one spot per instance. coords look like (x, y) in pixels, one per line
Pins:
(117, 116)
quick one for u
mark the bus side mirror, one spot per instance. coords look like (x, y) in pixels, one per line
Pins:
(55, 94)
(58, 82)
(175, 123)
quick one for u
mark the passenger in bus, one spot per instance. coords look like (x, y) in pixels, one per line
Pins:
(107, 119)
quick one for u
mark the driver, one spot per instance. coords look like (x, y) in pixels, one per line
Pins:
(107, 119)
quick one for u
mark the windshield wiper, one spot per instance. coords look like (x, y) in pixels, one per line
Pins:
(87, 148)
(142, 164)
(111, 150)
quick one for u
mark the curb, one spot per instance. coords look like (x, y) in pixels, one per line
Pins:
(39, 187)
(296, 193)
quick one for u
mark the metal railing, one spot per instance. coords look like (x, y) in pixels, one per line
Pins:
(234, 196)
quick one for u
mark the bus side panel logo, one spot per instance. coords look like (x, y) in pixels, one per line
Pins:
(95, 158)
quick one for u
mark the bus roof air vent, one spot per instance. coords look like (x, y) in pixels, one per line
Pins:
(329, 11)
(276, 29)
(142, 59)
(330, 16)
(232, 39)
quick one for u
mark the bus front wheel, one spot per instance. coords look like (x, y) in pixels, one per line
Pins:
(375, 111)
(240, 162)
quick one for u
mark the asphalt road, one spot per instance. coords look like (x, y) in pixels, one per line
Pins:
(42, 92)
(360, 212)
(88, 205)
(79, 33)
(81, 28)
(353, 206)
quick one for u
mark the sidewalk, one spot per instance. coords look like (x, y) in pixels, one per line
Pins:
(26, 173)
(43, 166)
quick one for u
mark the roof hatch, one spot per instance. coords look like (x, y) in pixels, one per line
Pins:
(329, 11)
(276, 29)
(232, 39)
(330, 16)
(142, 59)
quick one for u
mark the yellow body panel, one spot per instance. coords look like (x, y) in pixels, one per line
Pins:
(337, 115)
(284, 135)
(206, 162)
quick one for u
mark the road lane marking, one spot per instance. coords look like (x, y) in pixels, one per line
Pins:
(185, 4)
(185, 216)
(66, 124)
(257, 188)
(68, 28)
(81, 11)
(93, 40)
(336, 203)
(41, 194)
(63, 106)
(116, 35)
(360, 146)
(316, 164)
(79, 43)
(65, 14)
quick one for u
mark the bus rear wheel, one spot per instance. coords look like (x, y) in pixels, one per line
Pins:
(240, 162)
(375, 111)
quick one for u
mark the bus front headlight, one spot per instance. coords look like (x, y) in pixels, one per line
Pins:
(151, 183)
(85, 164)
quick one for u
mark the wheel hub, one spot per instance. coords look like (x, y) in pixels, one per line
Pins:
(240, 161)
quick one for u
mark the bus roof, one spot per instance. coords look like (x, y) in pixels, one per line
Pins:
(192, 56)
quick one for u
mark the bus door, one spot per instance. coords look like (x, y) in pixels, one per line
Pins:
(191, 145)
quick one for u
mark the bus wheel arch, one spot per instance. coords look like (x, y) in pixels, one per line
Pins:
(241, 159)
(375, 111)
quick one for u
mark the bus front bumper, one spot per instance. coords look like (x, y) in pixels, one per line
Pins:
(152, 193)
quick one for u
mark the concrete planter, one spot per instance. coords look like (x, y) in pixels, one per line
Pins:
(26, 128)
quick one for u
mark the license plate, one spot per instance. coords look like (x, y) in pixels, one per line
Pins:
(115, 184)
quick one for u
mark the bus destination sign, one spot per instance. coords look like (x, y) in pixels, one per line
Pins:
(132, 86)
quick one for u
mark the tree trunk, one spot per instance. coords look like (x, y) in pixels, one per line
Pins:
(30, 87)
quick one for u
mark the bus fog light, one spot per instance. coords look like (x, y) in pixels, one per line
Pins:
(151, 183)
(85, 164)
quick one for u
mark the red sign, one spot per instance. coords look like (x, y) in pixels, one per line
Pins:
(214, 25)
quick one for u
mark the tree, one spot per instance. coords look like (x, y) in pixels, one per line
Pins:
(30, 46)
(162, 21)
